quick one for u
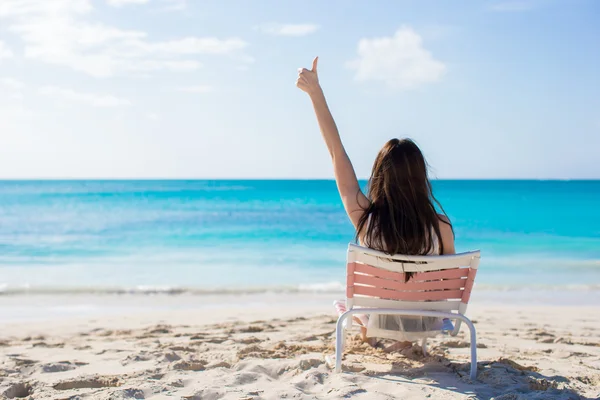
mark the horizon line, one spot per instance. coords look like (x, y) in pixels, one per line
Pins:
(281, 179)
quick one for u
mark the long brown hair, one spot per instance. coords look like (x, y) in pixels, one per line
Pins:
(402, 216)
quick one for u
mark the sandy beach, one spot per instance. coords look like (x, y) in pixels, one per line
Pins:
(275, 350)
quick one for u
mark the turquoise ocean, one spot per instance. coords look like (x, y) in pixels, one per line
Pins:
(200, 237)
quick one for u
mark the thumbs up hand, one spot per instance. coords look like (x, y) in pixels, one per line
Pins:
(308, 80)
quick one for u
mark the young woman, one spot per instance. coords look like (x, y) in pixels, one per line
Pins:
(398, 214)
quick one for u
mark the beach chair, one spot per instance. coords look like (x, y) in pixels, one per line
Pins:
(440, 287)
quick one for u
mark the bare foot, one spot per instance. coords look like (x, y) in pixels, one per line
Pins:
(398, 346)
(363, 334)
(373, 342)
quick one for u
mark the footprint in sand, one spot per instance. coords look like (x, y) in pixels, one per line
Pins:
(61, 366)
(48, 345)
(199, 336)
(250, 340)
(18, 390)
(23, 362)
(541, 384)
(547, 340)
(93, 382)
(206, 394)
(589, 380)
(127, 394)
(353, 392)
(171, 357)
(177, 383)
(185, 349)
(317, 336)
(218, 364)
(458, 344)
(541, 335)
(568, 354)
(253, 351)
(110, 351)
(309, 363)
(139, 357)
(252, 329)
(217, 340)
(245, 378)
(298, 319)
(161, 330)
(190, 365)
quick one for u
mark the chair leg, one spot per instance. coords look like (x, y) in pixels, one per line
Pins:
(340, 332)
(473, 374)
(424, 346)
(456, 328)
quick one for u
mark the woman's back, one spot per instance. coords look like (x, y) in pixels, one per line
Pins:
(446, 238)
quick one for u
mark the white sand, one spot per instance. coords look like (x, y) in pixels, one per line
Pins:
(275, 351)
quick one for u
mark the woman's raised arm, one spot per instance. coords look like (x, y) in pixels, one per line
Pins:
(354, 200)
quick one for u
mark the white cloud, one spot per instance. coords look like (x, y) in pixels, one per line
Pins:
(288, 29)
(12, 88)
(146, 66)
(27, 7)
(61, 32)
(12, 83)
(195, 45)
(92, 99)
(512, 6)
(121, 3)
(174, 5)
(153, 116)
(195, 89)
(400, 61)
(5, 52)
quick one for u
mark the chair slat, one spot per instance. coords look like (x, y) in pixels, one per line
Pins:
(383, 273)
(399, 276)
(411, 296)
(400, 263)
(468, 286)
(446, 274)
(371, 302)
(409, 286)
(462, 259)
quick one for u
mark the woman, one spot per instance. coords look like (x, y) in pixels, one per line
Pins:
(398, 215)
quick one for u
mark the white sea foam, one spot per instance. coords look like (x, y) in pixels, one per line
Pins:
(323, 287)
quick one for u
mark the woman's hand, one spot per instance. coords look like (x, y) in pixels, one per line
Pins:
(308, 80)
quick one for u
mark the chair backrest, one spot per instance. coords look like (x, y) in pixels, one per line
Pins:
(442, 283)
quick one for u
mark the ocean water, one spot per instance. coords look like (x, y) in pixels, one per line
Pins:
(251, 236)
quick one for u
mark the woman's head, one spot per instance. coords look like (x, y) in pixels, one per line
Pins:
(402, 217)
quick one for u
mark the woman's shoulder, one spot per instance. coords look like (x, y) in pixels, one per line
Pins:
(445, 224)
(447, 234)
(444, 218)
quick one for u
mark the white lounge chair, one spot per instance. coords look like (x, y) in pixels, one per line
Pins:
(440, 287)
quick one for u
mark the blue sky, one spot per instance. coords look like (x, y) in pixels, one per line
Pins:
(205, 89)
